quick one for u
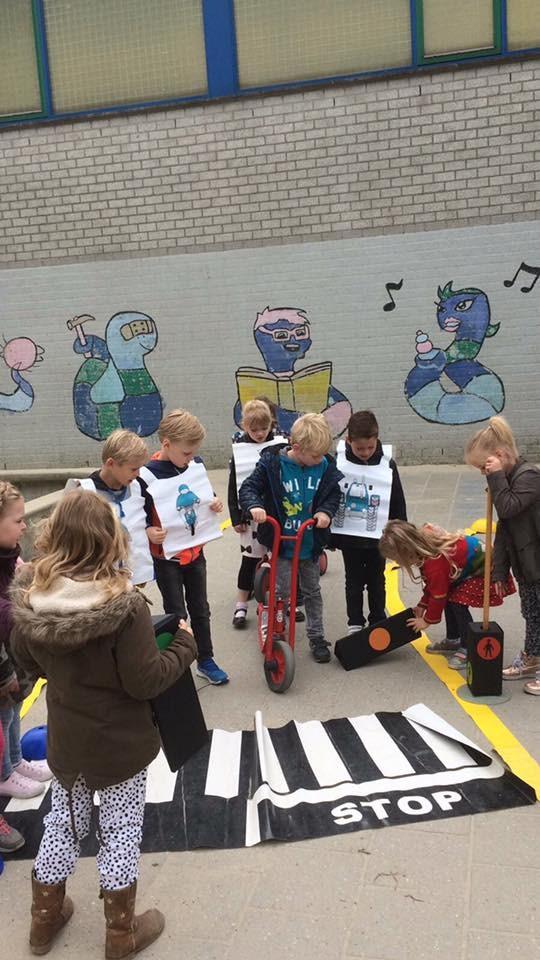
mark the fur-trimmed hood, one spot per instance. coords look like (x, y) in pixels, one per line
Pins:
(72, 628)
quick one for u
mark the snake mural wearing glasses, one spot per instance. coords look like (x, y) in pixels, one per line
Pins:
(283, 336)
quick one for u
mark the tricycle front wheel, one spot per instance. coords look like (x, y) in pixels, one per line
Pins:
(279, 671)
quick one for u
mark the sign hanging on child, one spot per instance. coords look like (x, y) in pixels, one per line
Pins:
(183, 504)
(365, 496)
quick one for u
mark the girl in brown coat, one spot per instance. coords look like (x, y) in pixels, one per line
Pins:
(78, 622)
(515, 488)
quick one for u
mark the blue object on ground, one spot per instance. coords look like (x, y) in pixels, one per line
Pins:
(34, 744)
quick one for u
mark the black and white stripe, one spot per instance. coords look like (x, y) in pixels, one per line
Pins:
(288, 782)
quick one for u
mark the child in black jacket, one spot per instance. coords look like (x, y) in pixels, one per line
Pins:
(364, 565)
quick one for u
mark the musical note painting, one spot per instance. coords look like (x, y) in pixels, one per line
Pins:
(449, 384)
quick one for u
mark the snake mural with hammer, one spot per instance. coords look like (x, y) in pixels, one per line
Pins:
(112, 387)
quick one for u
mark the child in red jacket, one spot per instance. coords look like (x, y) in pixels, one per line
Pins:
(450, 566)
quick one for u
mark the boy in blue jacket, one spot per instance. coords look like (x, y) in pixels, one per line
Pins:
(292, 484)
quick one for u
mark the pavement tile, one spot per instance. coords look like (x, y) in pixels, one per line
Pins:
(490, 945)
(501, 897)
(398, 925)
(268, 934)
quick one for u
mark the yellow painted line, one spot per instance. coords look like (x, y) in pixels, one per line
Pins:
(502, 739)
(32, 697)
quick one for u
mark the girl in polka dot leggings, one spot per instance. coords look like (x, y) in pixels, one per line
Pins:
(78, 622)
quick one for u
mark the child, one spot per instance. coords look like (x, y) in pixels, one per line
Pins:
(123, 454)
(293, 484)
(364, 566)
(450, 566)
(515, 488)
(18, 778)
(257, 427)
(181, 580)
(79, 623)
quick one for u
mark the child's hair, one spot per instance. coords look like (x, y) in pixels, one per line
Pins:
(409, 546)
(256, 414)
(124, 446)
(273, 408)
(491, 438)
(180, 425)
(362, 425)
(312, 433)
(82, 539)
(8, 494)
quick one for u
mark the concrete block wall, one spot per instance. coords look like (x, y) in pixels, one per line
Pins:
(202, 216)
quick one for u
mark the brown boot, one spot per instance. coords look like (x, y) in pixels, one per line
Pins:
(126, 933)
(51, 909)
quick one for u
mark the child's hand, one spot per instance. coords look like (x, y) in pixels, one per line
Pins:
(216, 505)
(184, 625)
(240, 527)
(156, 534)
(492, 465)
(499, 586)
(417, 623)
(322, 520)
(258, 514)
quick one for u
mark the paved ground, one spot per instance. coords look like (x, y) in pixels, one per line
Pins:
(462, 888)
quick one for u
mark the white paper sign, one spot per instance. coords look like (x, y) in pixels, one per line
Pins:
(246, 456)
(132, 516)
(183, 505)
(365, 497)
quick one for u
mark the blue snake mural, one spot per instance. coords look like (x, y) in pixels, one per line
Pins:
(472, 391)
(112, 387)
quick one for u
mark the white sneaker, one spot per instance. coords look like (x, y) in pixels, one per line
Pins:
(34, 770)
(20, 788)
(353, 628)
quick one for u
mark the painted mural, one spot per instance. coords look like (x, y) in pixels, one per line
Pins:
(19, 354)
(112, 387)
(283, 336)
(449, 384)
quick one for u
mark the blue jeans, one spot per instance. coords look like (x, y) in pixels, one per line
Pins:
(10, 717)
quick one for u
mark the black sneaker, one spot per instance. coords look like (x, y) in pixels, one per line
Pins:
(320, 651)
(299, 615)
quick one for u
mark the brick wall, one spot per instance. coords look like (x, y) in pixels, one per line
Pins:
(310, 199)
(414, 153)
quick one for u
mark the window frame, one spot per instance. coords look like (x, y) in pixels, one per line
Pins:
(222, 65)
(499, 23)
(38, 24)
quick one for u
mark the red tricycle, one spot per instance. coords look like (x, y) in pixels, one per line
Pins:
(276, 644)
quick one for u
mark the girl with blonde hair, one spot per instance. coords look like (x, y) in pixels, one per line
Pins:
(515, 488)
(450, 566)
(78, 622)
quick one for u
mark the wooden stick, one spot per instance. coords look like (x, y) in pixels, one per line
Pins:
(487, 558)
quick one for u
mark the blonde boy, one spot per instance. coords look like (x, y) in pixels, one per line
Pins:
(122, 455)
(293, 485)
(182, 579)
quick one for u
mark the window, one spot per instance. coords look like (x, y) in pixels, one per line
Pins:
(104, 52)
(19, 76)
(458, 29)
(523, 24)
(282, 40)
